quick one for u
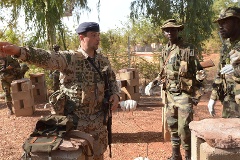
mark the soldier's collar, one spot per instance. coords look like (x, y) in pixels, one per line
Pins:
(84, 53)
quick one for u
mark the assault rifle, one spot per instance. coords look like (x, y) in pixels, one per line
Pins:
(221, 92)
(107, 108)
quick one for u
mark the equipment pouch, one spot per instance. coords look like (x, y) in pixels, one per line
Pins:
(58, 101)
(183, 68)
(186, 84)
(48, 134)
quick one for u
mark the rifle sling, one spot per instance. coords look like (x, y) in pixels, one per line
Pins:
(95, 67)
(165, 62)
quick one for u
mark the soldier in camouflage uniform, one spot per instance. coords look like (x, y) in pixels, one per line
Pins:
(182, 75)
(82, 83)
(227, 82)
(56, 73)
(10, 70)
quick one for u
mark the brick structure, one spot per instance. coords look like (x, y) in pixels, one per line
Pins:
(40, 89)
(22, 96)
(131, 88)
(215, 139)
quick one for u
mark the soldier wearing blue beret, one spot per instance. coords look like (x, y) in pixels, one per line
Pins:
(82, 81)
(87, 26)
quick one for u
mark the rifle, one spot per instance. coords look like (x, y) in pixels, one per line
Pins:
(220, 91)
(107, 108)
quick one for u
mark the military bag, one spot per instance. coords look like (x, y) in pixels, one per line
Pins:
(58, 101)
(47, 135)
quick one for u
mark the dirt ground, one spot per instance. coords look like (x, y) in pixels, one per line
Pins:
(135, 134)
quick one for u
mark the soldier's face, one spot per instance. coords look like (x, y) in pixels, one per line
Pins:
(171, 33)
(92, 40)
(228, 27)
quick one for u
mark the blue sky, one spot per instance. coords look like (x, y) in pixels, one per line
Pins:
(112, 13)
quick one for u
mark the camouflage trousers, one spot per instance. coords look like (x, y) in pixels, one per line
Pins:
(93, 124)
(230, 108)
(6, 86)
(179, 114)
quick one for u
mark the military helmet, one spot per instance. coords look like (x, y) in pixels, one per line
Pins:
(171, 23)
(229, 12)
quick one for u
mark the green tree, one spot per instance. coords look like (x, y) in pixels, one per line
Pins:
(195, 15)
(44, 17)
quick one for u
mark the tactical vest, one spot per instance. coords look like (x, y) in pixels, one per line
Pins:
(224, 82)
(178, 72)
(84, 86)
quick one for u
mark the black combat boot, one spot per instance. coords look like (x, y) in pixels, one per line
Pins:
(9, 106)
(176, 154)
(187, 154)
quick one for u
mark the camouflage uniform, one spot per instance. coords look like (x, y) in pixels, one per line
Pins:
(223, 86)
(82, 86)
(227, 86)
(7, 75)
(56, 73)
(181, 89)
(56, 80)
(236, 77)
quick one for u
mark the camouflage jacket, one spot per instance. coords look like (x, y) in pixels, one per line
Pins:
(223, 84)
(180, 68)
(10, 69)
(236, 46)
(79, 80)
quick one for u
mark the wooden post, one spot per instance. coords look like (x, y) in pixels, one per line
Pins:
(165, 130)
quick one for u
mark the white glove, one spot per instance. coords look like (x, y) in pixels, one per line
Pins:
(201, 75)
(148, 89)
(227, 69)
(237, 98)
(211, 105)
(234, 57)
(128, 105)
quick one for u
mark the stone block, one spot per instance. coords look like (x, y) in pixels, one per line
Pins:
(133, 82)
(21, 85)
(37, 78)
(219, 132)
(40, 89)
(128, 74)
(210, 153)
(195, 146)
(21, 104)
(24, 111)
(22, 95)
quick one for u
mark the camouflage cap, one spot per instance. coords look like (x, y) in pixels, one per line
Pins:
(171, 23)
(229, 12)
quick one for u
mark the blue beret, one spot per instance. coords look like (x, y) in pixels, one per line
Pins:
(87, 26)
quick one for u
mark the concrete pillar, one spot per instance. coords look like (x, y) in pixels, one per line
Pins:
(131, 90)
(40, 89)
(22, 95)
